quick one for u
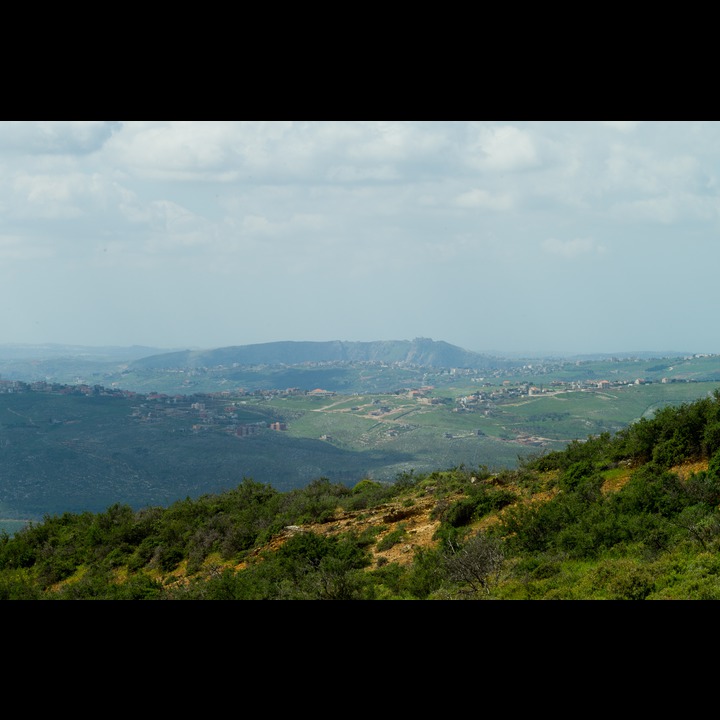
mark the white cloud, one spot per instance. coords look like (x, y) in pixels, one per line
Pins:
(64, 195)
(48, 196)
(502, 149)
(397, 141)
(355, 174)
(273, 150)
(668, 209)
(54, 138)
(624, 126)
(483, 199)
(174, 229)
(22, 248)
(217, 151)
(571, 248)
(258, 225)
(642, 170)
(286, 151)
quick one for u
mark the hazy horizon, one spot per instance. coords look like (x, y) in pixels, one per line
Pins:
(531, 238)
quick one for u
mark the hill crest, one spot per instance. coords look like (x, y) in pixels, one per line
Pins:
(420, 351)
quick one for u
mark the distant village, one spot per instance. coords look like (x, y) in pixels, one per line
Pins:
(508, 390)
(209, 410)
(221, 410)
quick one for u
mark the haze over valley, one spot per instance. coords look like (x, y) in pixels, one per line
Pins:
(84, 431)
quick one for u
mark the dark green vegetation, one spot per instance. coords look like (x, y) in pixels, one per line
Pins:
(75, 449)
(629, 516)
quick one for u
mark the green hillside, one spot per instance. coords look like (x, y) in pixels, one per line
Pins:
(82, 448)
(632, 516)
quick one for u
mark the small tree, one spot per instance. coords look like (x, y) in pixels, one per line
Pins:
(478, 562)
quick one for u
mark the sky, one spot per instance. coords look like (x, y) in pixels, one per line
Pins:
(516, 237)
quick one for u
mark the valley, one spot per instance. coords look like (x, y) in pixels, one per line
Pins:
(82, 437)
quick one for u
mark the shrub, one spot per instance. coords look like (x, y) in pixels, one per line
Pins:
(392, 538)
(574, 474)
(366, 485)
(624, 579)
(477, 563)
(425, 575)
(460, 513)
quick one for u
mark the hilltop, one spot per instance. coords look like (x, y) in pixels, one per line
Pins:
(339, 366)
(418, 352)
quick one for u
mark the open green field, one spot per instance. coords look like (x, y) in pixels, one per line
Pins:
(442, 434)
(570, 415)
(563, 415)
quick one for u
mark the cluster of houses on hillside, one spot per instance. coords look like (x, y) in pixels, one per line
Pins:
(507, 390)
(19, 386)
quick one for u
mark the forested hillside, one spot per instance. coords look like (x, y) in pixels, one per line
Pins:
(632, 516)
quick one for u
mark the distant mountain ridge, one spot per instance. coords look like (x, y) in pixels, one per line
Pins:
(109, 353)
(420, 351)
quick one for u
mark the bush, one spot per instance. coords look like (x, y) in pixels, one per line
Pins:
(574, 474)
(460, 513)
(392, 538)
(425, 575)
(365, 486)
(624, 579)
(367, 493)
(477, 563)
